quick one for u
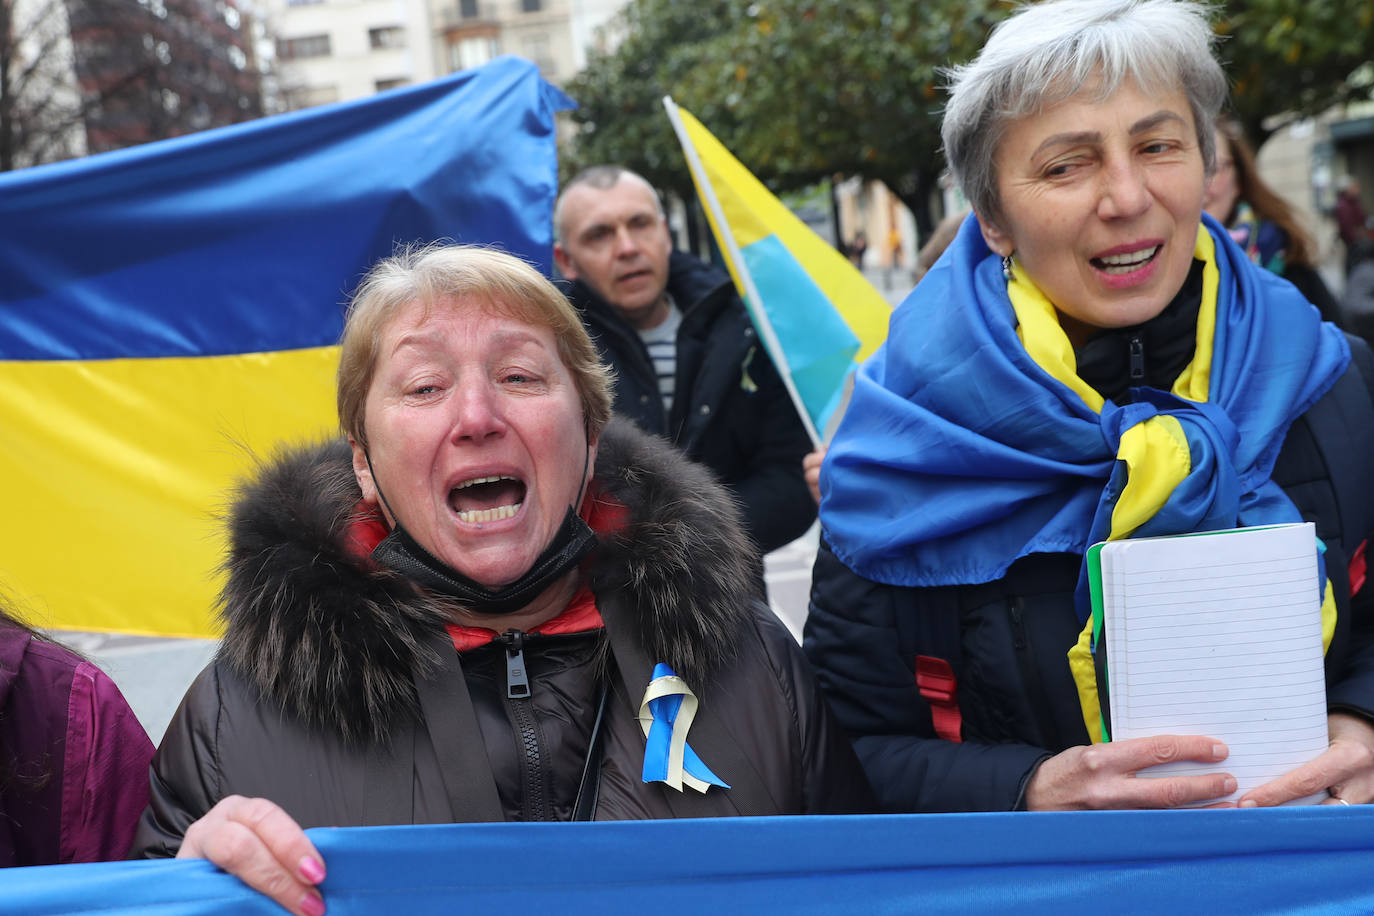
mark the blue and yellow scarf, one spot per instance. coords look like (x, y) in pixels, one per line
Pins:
(970, 441)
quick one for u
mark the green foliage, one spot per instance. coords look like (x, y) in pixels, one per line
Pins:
(806, 89)
(1294, 58)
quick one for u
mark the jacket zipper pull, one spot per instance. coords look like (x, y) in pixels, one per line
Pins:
(517, 679)
(1137, 360)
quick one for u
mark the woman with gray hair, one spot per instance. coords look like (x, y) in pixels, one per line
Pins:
(1089, 332)
(491, 602)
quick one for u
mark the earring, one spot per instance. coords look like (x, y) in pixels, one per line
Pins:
(1006, 268)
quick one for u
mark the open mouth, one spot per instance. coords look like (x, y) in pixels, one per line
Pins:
(487, 499)
(1126, 263)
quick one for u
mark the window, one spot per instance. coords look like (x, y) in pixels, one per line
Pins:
(536, 49)
(391, 36)
(467, 9)
(472, 52)
(531, 6)
(305, 46)
(307, 96)
(384, 85)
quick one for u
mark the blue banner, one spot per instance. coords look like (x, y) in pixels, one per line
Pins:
(1284, 860)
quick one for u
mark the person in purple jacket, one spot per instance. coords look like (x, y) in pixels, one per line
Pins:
(73, 757)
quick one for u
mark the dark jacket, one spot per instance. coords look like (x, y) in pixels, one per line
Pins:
(1006, 640)
(339, 695)
(73, 757)
(731, 411)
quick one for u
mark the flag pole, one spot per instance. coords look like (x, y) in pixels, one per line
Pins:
(759, 313)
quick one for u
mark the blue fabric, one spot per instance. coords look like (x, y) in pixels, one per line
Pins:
(818, 344)
(958, 454)
(172, 249)
(1282, 860)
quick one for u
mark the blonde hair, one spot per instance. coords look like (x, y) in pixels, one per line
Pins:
(492, 280)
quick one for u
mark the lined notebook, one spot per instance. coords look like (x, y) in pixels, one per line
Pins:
(1217, 634)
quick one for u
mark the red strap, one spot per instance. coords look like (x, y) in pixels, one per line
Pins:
(1358, 568)
(935, 679)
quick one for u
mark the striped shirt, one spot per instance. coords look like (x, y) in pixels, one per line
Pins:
(661, 342)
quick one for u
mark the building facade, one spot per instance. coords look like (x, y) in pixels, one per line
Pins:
(331, 50)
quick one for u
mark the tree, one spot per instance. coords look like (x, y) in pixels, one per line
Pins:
(804, 89)
(1289, 59)
(81, 76)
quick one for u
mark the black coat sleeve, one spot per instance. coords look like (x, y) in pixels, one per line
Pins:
(185, 775)
(772, 491)
(831, 779)
(860, 635)
(1352, 690)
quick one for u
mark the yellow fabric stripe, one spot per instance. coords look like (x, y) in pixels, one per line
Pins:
(1037, 324)
(753, 213)
(1328, 616)
(127, 465)
(1194, 383)
(1085, 678)
(1157, 460)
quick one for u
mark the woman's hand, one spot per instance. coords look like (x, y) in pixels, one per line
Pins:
(255, 840)
(811, 469)
(1346, 768)
(1104, 775)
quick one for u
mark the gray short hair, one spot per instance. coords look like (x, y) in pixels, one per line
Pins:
(1049, 52)
(600, 177)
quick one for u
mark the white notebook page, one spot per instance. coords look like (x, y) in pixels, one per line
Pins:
(1219, 635)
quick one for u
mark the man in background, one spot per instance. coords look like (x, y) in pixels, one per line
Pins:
(688, 363)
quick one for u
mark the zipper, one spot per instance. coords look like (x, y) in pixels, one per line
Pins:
(1137, 347)
(525, 729)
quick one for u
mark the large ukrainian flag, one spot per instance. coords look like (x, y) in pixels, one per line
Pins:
(169, 312)
(816, 313)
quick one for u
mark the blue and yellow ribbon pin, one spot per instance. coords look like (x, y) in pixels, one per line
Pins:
(665, 715)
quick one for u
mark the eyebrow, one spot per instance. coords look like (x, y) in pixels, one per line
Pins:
(1074, 138)
(430, 338)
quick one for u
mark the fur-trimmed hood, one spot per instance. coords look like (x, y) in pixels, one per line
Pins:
(338, 642)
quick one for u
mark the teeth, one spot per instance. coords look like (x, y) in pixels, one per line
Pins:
(476, 480)
(479, 516)
(1123, 263)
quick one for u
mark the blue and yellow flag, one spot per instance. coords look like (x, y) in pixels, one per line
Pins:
(814, 310)
(169, 312)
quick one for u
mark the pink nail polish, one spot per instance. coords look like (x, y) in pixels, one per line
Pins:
(312, 905)
(312, 870)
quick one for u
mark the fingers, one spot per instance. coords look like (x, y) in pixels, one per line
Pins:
(1109, 775)
(1347, 763)
(811, 470)
(1139, 753)
(258, 842)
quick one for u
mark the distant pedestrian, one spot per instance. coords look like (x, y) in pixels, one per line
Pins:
(1261, 221)
(857, 249)
(1352, 222)
(1358, 307)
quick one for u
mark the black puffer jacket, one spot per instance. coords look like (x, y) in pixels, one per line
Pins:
(730, 412)
(338, 694)
(1006, 640)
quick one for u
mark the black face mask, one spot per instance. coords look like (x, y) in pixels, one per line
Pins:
(573, 541)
